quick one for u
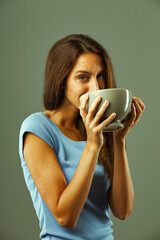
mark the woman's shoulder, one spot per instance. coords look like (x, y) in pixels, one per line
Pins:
(36, 119)
(38, 122)
(39, 125)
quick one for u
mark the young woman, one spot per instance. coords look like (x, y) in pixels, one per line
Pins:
(73, 170)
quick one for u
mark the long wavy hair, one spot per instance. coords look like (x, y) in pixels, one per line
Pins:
(59, 64)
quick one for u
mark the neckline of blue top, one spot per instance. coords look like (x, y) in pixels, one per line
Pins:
(72, 141)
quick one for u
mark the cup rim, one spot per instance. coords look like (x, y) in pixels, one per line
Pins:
(108, 89)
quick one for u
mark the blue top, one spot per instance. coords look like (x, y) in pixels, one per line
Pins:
(94, 221)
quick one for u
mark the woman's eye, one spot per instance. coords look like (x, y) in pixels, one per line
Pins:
(82, 77)
(101, 76)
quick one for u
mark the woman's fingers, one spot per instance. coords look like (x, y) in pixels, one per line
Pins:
(139, 106)
(91, 120)
(83, 111)
(137, 110)
(100, 113)
(130, 122)
(141, 103)
(105, 123)
(92, 109)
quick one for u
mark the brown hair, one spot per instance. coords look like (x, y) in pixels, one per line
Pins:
(60, 62)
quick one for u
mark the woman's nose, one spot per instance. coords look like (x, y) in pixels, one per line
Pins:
(94, 86)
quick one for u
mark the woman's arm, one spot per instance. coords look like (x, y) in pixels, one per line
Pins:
(66, 201)
(121, 194)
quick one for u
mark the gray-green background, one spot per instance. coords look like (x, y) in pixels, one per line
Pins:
(130, 31)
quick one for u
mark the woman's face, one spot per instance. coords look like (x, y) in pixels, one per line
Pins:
(87, 75)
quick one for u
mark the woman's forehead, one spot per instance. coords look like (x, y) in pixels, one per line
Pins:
(89, 62)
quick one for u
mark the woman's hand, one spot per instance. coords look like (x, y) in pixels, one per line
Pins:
(137, 110)
(92, 122)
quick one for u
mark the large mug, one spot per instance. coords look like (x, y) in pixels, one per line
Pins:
(120, 100)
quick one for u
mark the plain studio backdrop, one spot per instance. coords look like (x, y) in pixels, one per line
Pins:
(130, 31)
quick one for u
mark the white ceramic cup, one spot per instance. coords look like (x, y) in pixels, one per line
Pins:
(120, 100)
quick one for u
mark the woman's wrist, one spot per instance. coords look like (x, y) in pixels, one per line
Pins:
(119, 141)
(92, 147)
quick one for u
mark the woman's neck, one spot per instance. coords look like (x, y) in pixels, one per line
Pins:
(64, 117)
(66, 124)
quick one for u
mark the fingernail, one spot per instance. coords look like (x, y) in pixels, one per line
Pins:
(98, 98)
(106, 102)
(86, 96)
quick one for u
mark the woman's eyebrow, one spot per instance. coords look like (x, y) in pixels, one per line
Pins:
(81, 71)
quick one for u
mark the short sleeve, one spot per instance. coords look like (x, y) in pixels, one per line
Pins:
(38, 126)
